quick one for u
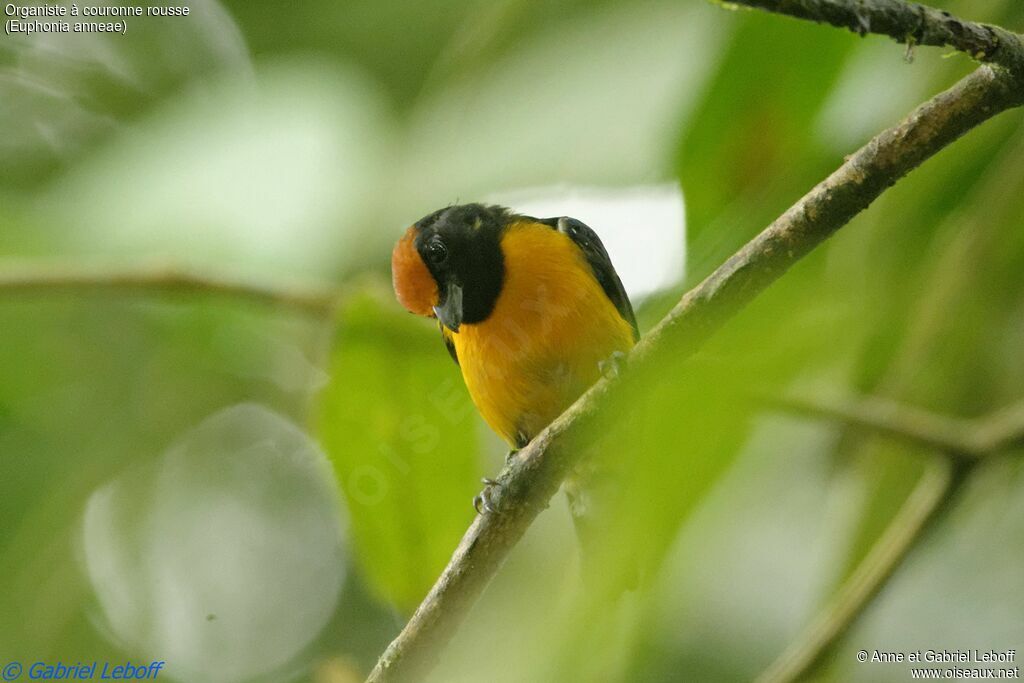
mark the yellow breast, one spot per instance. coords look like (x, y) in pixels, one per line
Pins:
(550, 328)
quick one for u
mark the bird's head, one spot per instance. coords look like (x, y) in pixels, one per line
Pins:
(449, 264)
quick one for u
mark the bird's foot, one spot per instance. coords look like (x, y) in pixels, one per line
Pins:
(484, 498)
(512, 452)
(611, 366)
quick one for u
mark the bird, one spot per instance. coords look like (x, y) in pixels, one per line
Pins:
(531, 309)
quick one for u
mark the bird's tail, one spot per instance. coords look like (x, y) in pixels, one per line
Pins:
(595, 502)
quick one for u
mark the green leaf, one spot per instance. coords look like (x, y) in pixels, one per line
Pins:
(745, 154)
(399, 426)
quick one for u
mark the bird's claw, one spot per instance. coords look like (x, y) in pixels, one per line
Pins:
(483, 499)
(611, 366)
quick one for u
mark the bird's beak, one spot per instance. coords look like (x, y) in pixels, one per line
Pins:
(449, 311)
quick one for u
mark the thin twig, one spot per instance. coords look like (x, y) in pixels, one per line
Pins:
(958, 443)
(535, 474)
(1000, 431)
(934, 491)
(963, 438)
(908, 23)
(885, 416)
(34, 279)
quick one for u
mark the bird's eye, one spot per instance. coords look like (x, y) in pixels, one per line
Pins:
(437, 252)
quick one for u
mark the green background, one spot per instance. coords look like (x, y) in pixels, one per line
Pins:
(163, 494)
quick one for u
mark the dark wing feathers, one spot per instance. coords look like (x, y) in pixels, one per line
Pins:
(597, 256)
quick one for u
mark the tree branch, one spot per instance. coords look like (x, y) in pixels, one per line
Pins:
(909, 23)
(965, 439)
(20, 279)
(534, 476)
(885, 416)
(1000, 431)
(933, 493)
(959, 443)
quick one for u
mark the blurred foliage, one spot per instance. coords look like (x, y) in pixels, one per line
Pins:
(405, 453)
(763, 159)
(295, 141)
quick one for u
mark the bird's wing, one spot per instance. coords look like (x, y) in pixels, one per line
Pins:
(597, 256)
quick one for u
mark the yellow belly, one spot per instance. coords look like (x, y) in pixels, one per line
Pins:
(540, 347)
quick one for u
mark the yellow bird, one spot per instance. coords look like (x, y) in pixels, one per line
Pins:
(530, 309)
